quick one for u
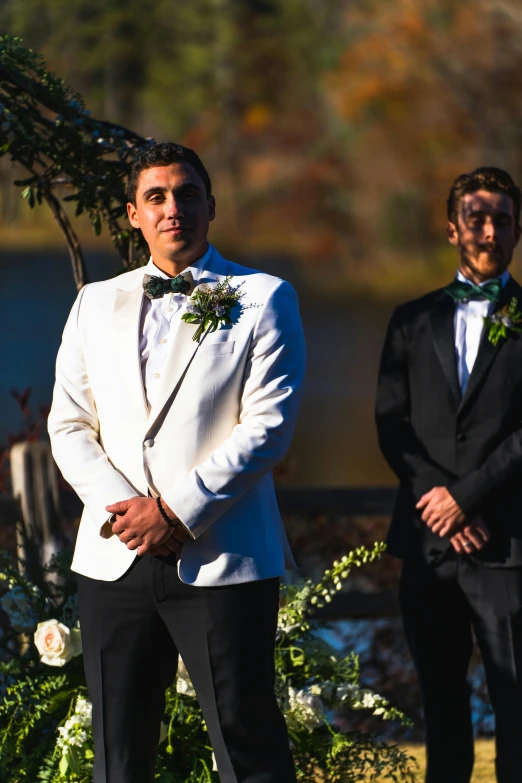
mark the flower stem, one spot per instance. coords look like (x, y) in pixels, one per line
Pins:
(198, 332)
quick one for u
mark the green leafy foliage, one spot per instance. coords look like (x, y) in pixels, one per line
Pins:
(504, 322)
(210, 305)
(45, 126)
(45, 732)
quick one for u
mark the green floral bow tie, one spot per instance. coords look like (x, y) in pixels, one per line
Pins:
(463, 292)
(154, 287)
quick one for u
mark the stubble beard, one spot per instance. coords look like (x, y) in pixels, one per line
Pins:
(485, 266)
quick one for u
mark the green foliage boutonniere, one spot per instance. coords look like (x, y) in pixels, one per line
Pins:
(504, 322)
(209, 306)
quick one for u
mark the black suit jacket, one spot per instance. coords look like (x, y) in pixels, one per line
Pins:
(431, 435)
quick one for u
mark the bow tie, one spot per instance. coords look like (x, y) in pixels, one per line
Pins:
(463, 292)
(154, 287)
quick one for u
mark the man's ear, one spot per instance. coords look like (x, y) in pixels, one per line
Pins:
(211, 208)
(132, 213)
(518, 232)
(452, 233)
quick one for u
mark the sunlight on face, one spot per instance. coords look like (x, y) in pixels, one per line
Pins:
(173, 212)
(486, 234)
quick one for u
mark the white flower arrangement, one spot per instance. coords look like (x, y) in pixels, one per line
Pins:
(317, 704)
(75, 738)
(358, 698)
(57, 643)
(73, 733)
(313, 683)
(306, 707)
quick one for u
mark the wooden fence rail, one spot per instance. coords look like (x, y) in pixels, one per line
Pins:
(37, 506)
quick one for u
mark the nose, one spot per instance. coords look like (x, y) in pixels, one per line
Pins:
(490, 230)
(173, 206)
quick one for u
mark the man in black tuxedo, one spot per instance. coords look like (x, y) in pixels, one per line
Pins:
(449, 419)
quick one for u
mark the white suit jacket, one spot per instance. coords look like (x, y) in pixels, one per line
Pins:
(223, 417)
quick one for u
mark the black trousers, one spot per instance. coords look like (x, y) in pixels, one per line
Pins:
(441, 606)
(132, 630)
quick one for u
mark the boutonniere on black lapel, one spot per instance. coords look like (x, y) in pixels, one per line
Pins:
(504, 322)
(209, 306)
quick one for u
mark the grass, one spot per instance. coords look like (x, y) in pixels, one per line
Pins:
(483, 772)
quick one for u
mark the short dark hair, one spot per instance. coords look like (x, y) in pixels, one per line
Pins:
(164, 154)
(484, 178)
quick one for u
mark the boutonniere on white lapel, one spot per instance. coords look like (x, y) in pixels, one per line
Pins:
(504, 322)
(209, 306)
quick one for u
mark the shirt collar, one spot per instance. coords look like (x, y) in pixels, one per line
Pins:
(504, 277)
(196, 268)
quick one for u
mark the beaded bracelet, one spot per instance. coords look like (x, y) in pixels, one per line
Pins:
(170, 522)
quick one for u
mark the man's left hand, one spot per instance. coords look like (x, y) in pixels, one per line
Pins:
(140, 525)
(471, 538)
(441, 512)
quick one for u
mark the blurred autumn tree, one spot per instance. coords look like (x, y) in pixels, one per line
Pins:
(333, 128)
(433, 88)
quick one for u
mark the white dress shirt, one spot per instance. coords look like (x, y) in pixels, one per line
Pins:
(469, 324)
(159, 319)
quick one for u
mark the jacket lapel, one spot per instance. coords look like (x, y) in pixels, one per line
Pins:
(182, 348)
(181, 352)
(487, 351)
(442, 318)
(126, 335)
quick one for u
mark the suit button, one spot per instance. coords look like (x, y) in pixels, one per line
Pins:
(460, 437)
(149, 443)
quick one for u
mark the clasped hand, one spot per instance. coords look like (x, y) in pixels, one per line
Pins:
(441, 512)
(443, 515)
(141, 527)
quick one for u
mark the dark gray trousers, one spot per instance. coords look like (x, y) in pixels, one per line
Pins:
(441, 606)
(132, 630)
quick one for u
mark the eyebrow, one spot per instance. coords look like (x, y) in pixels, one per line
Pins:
(497, 213)
(158, 189)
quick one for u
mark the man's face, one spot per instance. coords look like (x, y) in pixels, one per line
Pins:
(486, 234)
(173, 212)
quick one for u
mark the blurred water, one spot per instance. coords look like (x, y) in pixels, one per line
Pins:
(387, 669)
(334, 443)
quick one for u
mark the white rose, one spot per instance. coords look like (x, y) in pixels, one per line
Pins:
(56, 643)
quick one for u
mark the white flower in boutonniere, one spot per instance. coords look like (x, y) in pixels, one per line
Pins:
(209, 306)
(504, 322)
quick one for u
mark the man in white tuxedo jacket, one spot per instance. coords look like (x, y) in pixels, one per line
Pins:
(170, 442)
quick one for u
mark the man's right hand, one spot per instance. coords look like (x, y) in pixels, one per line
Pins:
(471, 538)
(174, 544)
(171, 546)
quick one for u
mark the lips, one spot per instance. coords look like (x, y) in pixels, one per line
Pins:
(176, 230)
(492, 249)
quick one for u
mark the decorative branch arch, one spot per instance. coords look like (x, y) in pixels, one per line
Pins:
(45, 127)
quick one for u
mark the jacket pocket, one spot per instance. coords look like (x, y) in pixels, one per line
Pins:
(217, 348)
